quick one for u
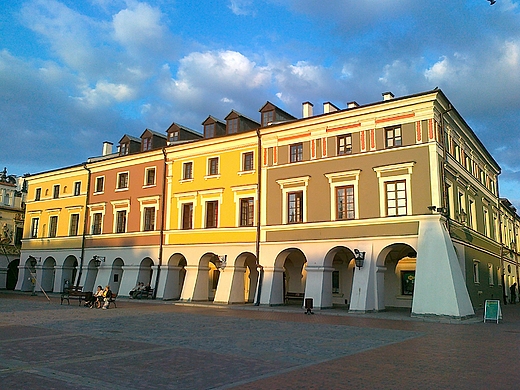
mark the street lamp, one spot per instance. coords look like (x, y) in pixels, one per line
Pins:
(359, 258)
(98, 259)
(222, 262)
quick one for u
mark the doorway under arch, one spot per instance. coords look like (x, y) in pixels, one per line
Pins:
(294, 263)
(48, 274)
(145, 271)
(70, 270)
(12, 274)
(116, 275)
(175, 277)
(341, 259)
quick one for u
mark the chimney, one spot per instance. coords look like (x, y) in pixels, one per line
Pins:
(307, 109)
(388, 95)
(352, 104)
(107, 148)
(329, 107)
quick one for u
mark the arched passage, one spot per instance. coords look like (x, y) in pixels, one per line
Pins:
(70, 269)
(341, 260)
(245, 279)
(293, 262)
(90, 278)
(48, 273)
(116, 275)
(12, 274)
(145, 271)
(399, 261)
(175, 276)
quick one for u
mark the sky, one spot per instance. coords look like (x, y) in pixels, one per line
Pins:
(74, 74)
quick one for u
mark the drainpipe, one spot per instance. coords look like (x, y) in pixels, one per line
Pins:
(83, 236)
(161, 236)
(504, 296)
(259, 267)
(445, 204)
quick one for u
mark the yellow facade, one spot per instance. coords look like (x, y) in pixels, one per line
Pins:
(226, 186)
(55, 209)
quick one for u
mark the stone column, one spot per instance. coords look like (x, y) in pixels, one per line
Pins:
(319, 286)
(272, 287)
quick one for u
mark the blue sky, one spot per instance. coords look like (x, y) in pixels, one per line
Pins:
(76, 73)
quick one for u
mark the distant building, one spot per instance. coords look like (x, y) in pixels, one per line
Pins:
(12, 209)
(389, 204)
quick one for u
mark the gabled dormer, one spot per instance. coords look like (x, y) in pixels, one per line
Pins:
(272, 114)
(152, 140)
(238, 123)
(213, 127)
(179, 133)
(129, 144)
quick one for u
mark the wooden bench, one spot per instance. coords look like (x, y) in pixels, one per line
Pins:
(112, 299)
(75, 293)
(144, 294)
(294, 296)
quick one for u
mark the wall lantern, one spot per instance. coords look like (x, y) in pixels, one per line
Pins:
(33, 261)
(222, 262)
(463, 216)
(359, 258)
(98, 259)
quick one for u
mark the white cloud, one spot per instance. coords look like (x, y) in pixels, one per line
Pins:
(105, 93)
(242, 7)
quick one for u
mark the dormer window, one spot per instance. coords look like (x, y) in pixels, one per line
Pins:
(123, 151)
(173, 136)
(147, 144)
(232, 126)
(209, 130)
(267, 117)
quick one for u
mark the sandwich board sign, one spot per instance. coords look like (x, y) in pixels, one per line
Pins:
(492, 311)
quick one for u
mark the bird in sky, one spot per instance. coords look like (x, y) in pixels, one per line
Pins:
(491, 2)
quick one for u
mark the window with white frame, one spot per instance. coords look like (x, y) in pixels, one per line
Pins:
(53, 225)
(344, 144)
(476, 273)
(247, 211)
(35, 222)
(491, 278)
(296, 152)
(120, 221)
(187, 216)
(213, 166)
(393, 136)
(211, 201)
(486, 221)
(462, 207)
(77, 188)
(74, 224)
(395, 189)
(122, 180)
(343, 194)
(100, 184)
(97, 223)
(149, 219)
(248, 162)
(472, 218)
(56, 191)
(187, 170)
(121, 209)
(149, 176)
(294, 198)
(37, 194)
(211, 214)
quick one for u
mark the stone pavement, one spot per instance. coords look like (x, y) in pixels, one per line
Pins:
(162, 345)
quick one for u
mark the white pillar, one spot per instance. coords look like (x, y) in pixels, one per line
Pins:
(319, 286)
(231, 288)
(128, 279)
(196, 284)
(272, 287)
(168, 287)
(440, 288)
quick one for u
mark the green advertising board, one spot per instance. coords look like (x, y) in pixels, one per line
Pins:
(492, 311)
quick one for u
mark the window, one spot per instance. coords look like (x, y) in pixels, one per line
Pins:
(296, 152)
(149, 177)
(97, 220)
(121, 221)
(187, 171)
(407, 282)
(77, 188)
(345, 144)
(56, 191)
(122, 180)
(173, 136)
(74, 225)
(247, 212)
(491, 279)
(486, 222)
(472, 220)
(38, 194)
(149, 219)
(232, 126)
(53, 225)
(393, 136)
(100, 184)
(462, 205)
(213, 166)
(476, 275)
(345, 202)
(295, 207)
(247, 161)
(267, 118)
(211, 214)
(124, 149)
(335, 282)
(395, 198)
(34, 227)
(147, 144)
(187, 216)
(209, 130)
